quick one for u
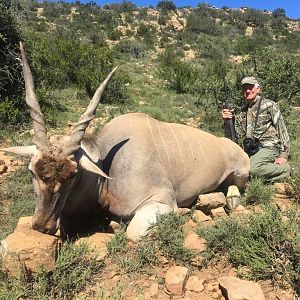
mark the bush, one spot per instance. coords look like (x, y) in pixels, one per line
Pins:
(12, 105)
(132, 48)
(255, 17)
(212, 48)
(171, 241)
(197, 24)
(280, 76)
(131, 259)
(262, 246)
(257, 192)
(148, 35)
(59, 62)
(123, 7)
(166, 5)
(16, 200)
(180, 75)
(74, 268)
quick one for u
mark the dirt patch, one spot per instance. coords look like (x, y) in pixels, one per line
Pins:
(8, 164)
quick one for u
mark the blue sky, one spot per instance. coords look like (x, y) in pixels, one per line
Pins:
(292, 7)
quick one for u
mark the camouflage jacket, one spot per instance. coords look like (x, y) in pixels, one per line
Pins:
(270, 128)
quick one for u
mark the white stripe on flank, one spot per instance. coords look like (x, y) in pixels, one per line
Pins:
(156, 147)
(163, 141)
(179, 150)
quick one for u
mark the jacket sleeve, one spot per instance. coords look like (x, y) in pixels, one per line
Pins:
(279, 125)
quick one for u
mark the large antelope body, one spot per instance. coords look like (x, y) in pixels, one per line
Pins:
(152, 167)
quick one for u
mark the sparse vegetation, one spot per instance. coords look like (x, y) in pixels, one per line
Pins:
(16, 200)
(74, 269)
(163, 240)
(257, 192)
(262, 246)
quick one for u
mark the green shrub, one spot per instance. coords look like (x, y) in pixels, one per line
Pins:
(212, 48)
(171, 242)
(12, 106)
(197, 24)
(280, 75)
(59, 62)
(255, 17)
(180, 76)
(118, 243)
(74, 269)
(131, 259)
(262, 246)
(165, 5)
(16, 200)
(257, 192)
(148, 34)
(132, 48)
(123, 7)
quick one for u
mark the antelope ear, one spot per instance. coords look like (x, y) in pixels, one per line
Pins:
(86, 164)
(21, 150)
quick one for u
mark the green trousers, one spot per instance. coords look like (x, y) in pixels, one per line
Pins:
(262, 164)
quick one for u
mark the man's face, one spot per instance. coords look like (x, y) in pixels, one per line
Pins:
(250, 91)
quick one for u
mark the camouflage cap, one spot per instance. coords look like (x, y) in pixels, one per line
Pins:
(249, 80)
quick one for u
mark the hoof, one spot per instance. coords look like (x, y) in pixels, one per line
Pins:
(232, 202)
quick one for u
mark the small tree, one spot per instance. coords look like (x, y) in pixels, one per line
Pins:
(11, 85)
(166, 5)
(279, 12)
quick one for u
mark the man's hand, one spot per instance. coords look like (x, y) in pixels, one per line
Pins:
(227, 113)
(280, 161)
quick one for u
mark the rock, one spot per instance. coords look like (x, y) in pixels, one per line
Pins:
(241, 210)
(194, 242)
(207, 202)
(153, 292)
(237, 289)
(175, 280)
(218, 212)
(27, 249)
(257, 209)
(189, 226)
(199, 216)
(183, 211)
(212, 286)
(283, 188)
(195, 284)
(97, 242)
(208, 223)
(280, 196)
(176, 24)
(284, 204)
(113, 227)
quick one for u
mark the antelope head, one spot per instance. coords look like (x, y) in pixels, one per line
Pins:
(56, 162)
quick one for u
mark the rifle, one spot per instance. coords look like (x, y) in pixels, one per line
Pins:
(229, 130)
